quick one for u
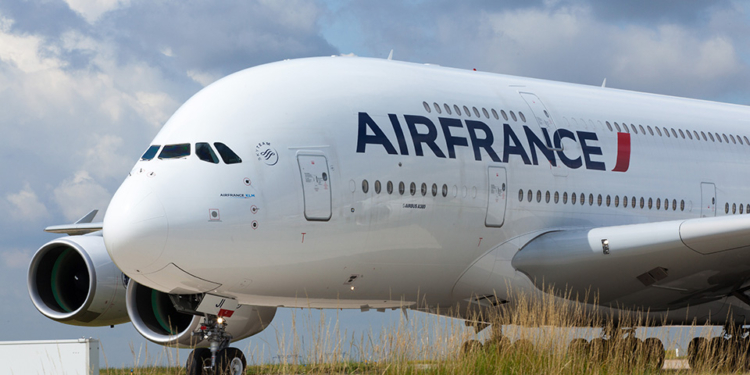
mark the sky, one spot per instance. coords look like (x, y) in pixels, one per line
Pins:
(86, 84)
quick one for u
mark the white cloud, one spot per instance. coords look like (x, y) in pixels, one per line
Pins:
(80, 194)
(203, 78)
(154, 107)
(16, 258)
(104, 159)
(26, 205)
(91, 10)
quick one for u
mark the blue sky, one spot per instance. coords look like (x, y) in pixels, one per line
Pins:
(86, 84)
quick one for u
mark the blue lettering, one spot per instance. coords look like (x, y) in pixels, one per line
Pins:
(450, 141)
(426, 138)
(516, 148)
(379, 138)
(482, 143)
(590, 150)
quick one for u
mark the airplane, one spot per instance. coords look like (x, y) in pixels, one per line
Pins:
(362, 183)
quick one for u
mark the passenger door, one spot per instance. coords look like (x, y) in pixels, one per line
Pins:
(316, 188)
(497, 197)
(708, 199)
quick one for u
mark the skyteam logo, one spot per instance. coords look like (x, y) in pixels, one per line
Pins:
(481, 139)
(266, 153)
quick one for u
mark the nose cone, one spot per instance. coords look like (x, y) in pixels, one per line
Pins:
(135, 227)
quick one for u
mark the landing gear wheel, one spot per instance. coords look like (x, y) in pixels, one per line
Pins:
(654, 350)
(471, 347)
(197, 360)
(697, 352)
(230, 361)
(579, 348)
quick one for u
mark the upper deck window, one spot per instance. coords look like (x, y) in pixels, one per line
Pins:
(150, 153)
(177, 151)
(206, 153)
(227, 154)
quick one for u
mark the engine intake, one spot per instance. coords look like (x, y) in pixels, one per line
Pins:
(73, 280)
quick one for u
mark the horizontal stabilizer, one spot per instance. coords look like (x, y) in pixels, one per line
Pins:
(84, 225)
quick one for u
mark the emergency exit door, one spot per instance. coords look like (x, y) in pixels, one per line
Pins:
(497, 196)
(708, 199)
(316, 186)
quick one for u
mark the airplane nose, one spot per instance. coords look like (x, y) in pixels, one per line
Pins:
(135, 227)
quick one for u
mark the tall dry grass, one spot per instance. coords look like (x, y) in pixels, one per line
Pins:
(537, 334)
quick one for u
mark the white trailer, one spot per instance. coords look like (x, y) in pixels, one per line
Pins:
(50, 357)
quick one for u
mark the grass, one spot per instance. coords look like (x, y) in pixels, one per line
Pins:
(537, 331)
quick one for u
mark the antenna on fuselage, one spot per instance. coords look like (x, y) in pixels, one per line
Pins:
(604, 84)
(390, 55)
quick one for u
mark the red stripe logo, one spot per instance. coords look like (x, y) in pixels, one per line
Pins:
(623, 152)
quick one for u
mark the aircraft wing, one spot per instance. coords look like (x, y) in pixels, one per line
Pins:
(84, 225)
(662, 265)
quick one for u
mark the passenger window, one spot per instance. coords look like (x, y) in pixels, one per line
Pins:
(513, 116)
(530, 195)
(520, 195)
(617, 127)
(632, 200)
(718, 137)
(565, 197)
(726, 208)
(413, 188)
(688, 134)
(365, 186)
(591, 199)
(447, 108)
(658, 203)
(505, 115)
(476, 111)
(458, 111)
(682, 205)
(583, 198)
(739, 139)
(426, 107)
(494, 114)
(674, 204)
(666, 204)
(725, 138)
(635, 131)
(609, 126)
(466, 111)
(674, 133)
(741, 208)
(642, 130)
(227, 154)
(520, 114)
(434, 190)
(666, 132)
(445, 190)
(681, 133)
(181, 150)
(401, 188)
(599, 200)
(625, 201)
(150, 153)
(546, 197)
(650, 203)
(734, 208)
(650, 130)
(617, 200)
(573, 198)
(538, 196)
(746, 141)
(642, 199)
(424, 189)
(486, 114)
(697, 137)
(658, 131)
(377, 186)
(206, 153)
(437, 107)
(704, 136)
(711, 136)
(557, 197)
(389, 187)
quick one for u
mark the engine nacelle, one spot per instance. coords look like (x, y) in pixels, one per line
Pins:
(153, 315)
(73, 280)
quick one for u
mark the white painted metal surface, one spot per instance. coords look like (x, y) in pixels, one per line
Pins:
(50, 357)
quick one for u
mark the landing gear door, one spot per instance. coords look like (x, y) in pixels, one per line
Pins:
(542, 117)
(497, 197)
(316, 186)
(708, 199)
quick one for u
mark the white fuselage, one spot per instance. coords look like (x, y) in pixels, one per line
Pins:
(273, 231)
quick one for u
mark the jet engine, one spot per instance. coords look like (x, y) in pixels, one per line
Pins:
(73, 280)
(154, 316)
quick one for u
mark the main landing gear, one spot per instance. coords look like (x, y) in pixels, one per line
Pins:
(728, 351)
(218, 358)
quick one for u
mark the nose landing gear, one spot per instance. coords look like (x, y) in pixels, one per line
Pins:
(218, 358)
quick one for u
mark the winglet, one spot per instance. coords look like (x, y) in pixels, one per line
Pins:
(604, 84)
(88, 217)
(390, 55)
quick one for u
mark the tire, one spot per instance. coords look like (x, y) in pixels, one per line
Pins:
(230, 361)
(599, 349)
(195, 361)
(497, 345)
(698, 353)
(471, 347)
(579, 348)
(654, 351)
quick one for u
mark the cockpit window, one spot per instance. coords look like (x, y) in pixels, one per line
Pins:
(206, 153)
(227, 154)
(175, 151)
(150, 153)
